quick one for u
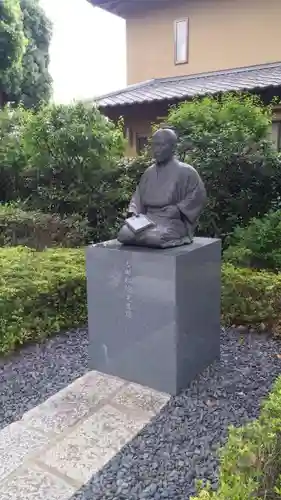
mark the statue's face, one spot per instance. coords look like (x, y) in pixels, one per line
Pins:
(162, 148)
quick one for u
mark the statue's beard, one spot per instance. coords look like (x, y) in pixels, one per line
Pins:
(163, 161)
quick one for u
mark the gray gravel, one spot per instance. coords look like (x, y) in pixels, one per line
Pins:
(37, 372)
(181, 443)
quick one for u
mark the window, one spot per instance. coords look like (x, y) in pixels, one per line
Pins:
(142, 143)
(181, 41)
(276, 135)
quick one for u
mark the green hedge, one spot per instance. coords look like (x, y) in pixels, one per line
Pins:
(250, 462)
(251, 298)
(37, 230)
(40, 293)
(258, 244)
(45, 292)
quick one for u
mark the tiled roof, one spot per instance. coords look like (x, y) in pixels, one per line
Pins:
(124, 8)
(250, 78)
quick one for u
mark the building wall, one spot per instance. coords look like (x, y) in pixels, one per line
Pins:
(222, 34)
(138, 120)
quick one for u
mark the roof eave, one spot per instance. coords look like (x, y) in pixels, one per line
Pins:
(125, 8)
(249, 79)
(109, 6)
(174, 100)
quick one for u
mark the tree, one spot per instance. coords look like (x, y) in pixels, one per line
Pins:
(12, 48)
(71, 154)
(12, 160)
(37, 83)
(226, 139)
(25, 34)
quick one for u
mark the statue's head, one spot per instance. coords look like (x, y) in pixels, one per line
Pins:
(163, 145)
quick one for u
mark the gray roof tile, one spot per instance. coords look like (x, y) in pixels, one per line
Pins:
(250, 78)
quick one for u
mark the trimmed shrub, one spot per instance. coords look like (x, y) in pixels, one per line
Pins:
(251, 298)
(38, 230)
(41, 293)
(250, 462)
(226, 139)
(258, 245)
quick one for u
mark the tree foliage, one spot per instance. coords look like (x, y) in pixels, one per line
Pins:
(258, 244)
(63, 159)
(66, 160)
(12, 159)
(12, 47)
(36, 82)
(70, 153)
(226, 139)
(25, 34)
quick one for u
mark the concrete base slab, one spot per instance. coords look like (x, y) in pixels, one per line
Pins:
(59, 445)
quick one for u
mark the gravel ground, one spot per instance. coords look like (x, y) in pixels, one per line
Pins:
(180, 444)
(37, 372)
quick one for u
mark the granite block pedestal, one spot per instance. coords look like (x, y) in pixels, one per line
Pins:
(154, 315)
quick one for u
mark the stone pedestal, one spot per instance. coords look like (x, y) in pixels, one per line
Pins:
(154, 315)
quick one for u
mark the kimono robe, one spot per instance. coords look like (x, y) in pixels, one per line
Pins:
(173, 197)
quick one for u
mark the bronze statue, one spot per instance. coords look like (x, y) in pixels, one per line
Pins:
(167, 202)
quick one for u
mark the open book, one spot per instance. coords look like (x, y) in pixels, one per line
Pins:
(138, 223)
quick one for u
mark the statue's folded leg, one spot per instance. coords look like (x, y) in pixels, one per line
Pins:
(150, 237)
(155, 237)
(162, 237)
(126, 236)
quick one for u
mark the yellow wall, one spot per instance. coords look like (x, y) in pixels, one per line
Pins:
(139, 119)
(222, 34)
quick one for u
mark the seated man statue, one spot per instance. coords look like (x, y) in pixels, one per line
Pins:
(170, 194)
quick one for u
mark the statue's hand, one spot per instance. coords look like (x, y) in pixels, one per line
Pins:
(172, 211)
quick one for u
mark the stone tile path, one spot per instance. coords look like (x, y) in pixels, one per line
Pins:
(58, 446)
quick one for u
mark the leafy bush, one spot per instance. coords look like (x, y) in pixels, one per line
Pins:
(40, 293)
(12, 159)
(226, 139)
(68, 159)
(251, 298)
(258, 245)
(63, 160)
(71, 154)
(118, 186)
(38, 230)
(44, 292)
(251, 460)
